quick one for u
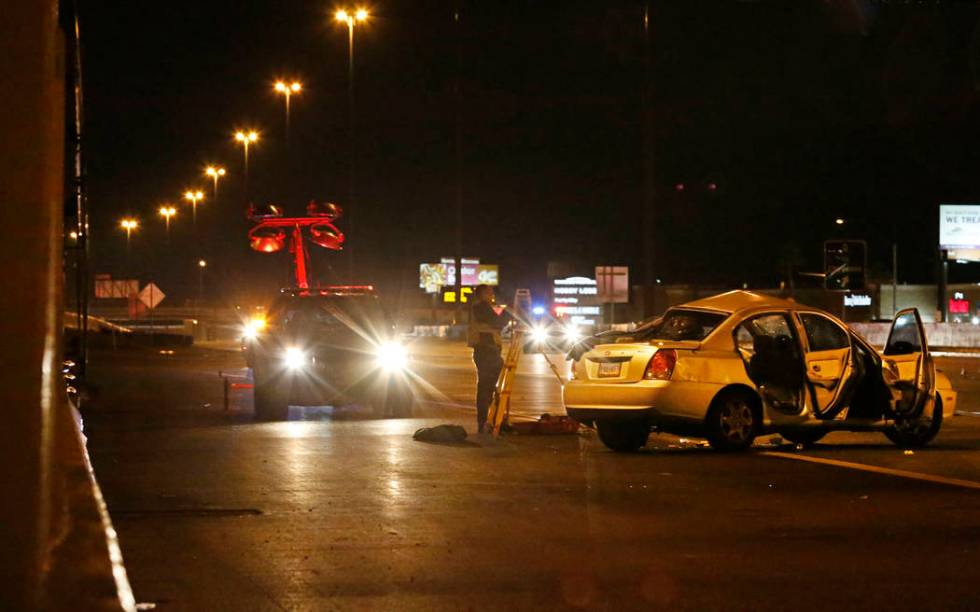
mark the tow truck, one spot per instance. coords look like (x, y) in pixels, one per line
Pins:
(333, 346)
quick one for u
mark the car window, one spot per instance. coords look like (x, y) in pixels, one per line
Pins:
(680, 324)
(767, 330)
(823, 334)
(904, 338)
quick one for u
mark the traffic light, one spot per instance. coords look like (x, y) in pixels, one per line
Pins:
(845, 264)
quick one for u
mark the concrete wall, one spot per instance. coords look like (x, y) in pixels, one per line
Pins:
(952, 335)
(55, 551)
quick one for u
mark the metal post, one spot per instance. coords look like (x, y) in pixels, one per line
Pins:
(941, 288)
(351, 147)
(457, 318)
(894, 279)
(649, 175)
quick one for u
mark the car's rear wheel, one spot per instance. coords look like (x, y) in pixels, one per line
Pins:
(271, 395)
(623, 436)
(916, 433)
(732, 421)
(805, 437)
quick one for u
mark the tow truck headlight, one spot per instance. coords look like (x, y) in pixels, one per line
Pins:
(572, 334)
(539, 334)
(253, 327)
(391, 356)
(295, 358)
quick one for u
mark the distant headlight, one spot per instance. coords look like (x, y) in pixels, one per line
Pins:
(295, 359)
(572, 334)
(539, 334)
(391, 356)
(253, 327)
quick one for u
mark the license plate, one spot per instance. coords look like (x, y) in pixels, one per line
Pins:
(609, 370)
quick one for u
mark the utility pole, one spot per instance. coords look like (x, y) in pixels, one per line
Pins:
(458, 145)
(648, 225)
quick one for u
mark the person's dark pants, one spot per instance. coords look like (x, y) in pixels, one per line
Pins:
(488, 365)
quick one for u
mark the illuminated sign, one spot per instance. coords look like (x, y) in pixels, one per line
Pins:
(857, 300)
(577, 297)
(959, 306)
(959, 226)
(449, 297)
(433, 276)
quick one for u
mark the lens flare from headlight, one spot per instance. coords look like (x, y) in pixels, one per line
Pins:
(391, 356)
(295, 358)
(539, 334)
(572, 334)
(253, 327)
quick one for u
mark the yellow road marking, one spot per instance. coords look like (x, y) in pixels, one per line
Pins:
(956, 482)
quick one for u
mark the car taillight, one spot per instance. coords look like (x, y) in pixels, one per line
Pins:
(661, 366)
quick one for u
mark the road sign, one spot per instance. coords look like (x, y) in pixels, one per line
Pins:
(845, 265)
(613, 284)
(151, 296)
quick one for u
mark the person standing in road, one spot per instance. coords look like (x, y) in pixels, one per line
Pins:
(483, 336)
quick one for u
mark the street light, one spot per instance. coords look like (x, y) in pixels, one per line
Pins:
(201, 265)
(246, 138)
(194, 196)
(288, 90)
(350, 18)
(215, 172)
(167, 211)
(130, 225)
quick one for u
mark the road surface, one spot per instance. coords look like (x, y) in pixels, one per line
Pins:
(334, 510)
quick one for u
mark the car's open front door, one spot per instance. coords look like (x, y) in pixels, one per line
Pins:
(907, 367)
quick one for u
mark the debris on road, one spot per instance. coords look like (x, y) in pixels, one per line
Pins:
(441, 434)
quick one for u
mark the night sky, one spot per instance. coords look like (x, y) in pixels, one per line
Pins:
(799, 112)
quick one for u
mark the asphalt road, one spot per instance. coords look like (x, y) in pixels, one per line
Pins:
(336, 510)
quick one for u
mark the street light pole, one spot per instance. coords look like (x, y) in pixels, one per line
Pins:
(288, 90)
(128, 224)
(167, 211)
(215, 172)
(246, 138)
(350, 19)
(201, 265)
(194, 196)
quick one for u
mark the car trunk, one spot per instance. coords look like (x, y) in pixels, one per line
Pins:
(626, 362)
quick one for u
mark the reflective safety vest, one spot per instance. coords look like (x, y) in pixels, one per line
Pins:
(475, 331)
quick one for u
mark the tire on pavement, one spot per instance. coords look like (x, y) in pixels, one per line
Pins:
(806, 437)
(916, 433)
(623, 436)
(733, 421)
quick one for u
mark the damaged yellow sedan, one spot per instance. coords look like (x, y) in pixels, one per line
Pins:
(740, 364)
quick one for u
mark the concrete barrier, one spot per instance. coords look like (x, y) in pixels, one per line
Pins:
(951, 335)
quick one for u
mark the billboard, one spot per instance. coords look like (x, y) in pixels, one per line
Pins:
(108, 288)
(959, 226)
(613, 283)
(432, 276)
(576, 297)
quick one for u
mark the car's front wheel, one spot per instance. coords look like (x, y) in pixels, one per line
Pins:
(270, 395)
(732, 421)
(623, 436)
(916, 433)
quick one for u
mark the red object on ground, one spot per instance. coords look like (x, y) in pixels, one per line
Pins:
(547, 425)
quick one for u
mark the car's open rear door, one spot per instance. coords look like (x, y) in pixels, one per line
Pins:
(907, 367)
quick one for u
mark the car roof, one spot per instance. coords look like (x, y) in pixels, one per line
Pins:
(733, 301)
